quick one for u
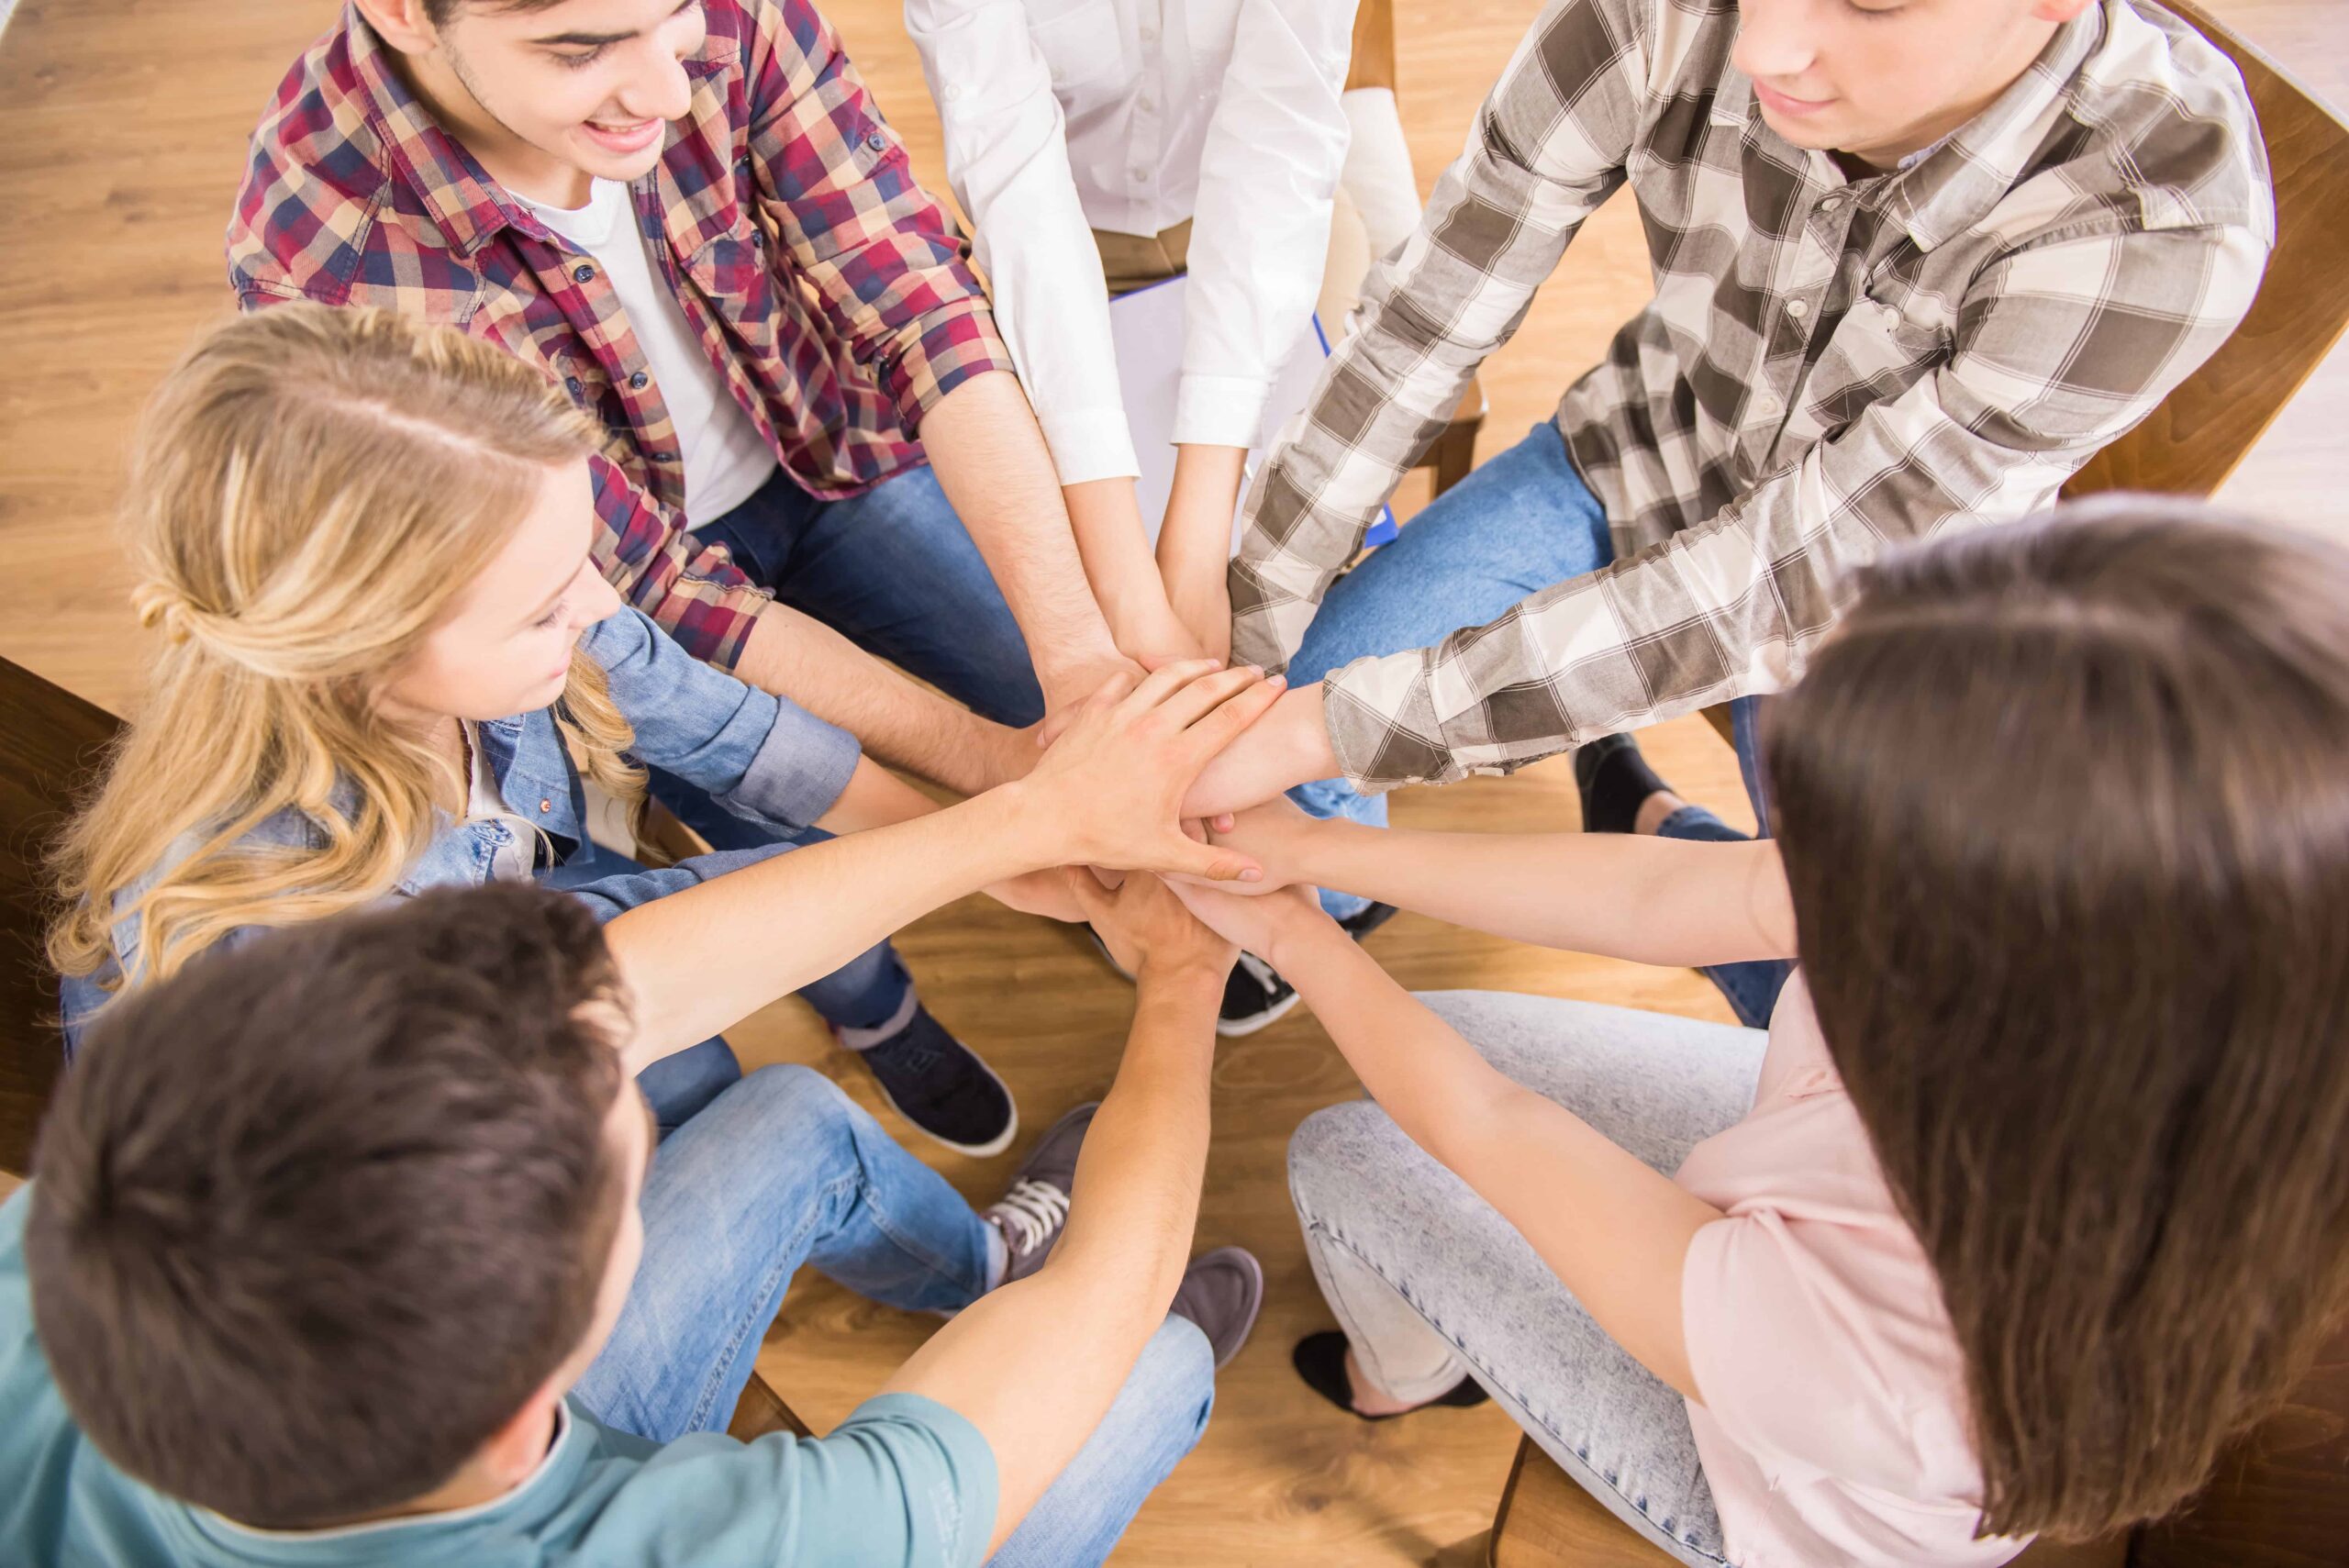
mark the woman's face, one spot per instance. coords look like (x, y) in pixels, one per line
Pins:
(505, 648)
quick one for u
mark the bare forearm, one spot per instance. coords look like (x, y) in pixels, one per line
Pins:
(1036, 1364)
(704, 957)
(875, 797)
(1106, 521)
(1194, 541)
(1663, 901)
(896, 721)
(991, 461)
(1614, 1231)
(1288, 746)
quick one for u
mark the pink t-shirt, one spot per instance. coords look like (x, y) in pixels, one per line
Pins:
(1834, 1426)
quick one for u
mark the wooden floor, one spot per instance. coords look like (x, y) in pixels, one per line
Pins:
(122, 127)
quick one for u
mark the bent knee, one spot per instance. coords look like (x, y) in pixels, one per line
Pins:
(1336, 1149)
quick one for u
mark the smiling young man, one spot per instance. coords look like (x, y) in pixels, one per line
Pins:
(693, 216)
(1915, 261)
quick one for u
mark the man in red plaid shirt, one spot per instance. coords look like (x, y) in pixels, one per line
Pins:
(694, 217)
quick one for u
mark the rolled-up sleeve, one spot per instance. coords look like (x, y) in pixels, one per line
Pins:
(763, 757)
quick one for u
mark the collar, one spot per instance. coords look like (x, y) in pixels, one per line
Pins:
(1953, 185)
(464, 202)
(383, 1540)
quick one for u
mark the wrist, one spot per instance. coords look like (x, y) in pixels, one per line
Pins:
(1302, 735)
(1295, 940)
(1194, 977)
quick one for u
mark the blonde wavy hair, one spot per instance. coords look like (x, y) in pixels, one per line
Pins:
(311, 491)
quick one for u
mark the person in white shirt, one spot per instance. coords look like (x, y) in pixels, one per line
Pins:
(1102, 145)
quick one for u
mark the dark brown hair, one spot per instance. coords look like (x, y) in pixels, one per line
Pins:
(2064, 808)
(442, 12)
(311, 1220)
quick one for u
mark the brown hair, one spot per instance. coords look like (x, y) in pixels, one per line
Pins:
(2065, 809)
(313, 1220)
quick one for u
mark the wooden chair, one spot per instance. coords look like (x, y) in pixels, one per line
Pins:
(1454, 452)
(50, 744)
(2281, 1498)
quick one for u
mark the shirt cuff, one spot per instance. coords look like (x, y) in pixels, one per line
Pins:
(800, 770)
(1383, 726)
(1220, 410)
(936, 354)
(1093, 445)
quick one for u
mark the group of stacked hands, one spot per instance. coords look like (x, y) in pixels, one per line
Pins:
(569, 438)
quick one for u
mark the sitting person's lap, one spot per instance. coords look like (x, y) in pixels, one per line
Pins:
(1434, 1284)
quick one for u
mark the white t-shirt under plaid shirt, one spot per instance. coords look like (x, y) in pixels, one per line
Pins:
(1829, 366)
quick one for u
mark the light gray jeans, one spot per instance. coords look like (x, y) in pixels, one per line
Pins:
(1432, 1285)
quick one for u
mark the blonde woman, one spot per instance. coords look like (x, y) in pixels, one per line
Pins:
(390, 662)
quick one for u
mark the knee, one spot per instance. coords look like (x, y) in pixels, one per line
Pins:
(1335, 1151)
(794, 1105)
(1177, 1371)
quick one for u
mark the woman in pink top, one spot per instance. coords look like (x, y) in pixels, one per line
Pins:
(2036, 1189)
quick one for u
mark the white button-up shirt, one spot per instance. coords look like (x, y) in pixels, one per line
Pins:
(1132, 115)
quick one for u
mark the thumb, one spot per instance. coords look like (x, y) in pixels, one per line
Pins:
(1095, 901)
(1208, 862)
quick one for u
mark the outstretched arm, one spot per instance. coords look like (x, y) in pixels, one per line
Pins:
(1613, 1231)
(1037, 1365)
(1663, 901)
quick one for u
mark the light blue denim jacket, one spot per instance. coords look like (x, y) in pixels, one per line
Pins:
(761, 757)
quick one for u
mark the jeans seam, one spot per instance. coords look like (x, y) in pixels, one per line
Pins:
(771, 1283)
(1593, 1478)
(938, 1267)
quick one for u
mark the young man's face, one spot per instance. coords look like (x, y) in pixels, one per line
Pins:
(1885, 78)
(585, 84)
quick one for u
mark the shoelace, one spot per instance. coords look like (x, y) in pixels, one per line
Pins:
(1029, 1213)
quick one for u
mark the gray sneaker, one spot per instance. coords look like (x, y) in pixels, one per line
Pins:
(1222, 1291)
(1032, 1213)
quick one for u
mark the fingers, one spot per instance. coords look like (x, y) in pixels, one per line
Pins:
(1090, 895)
(1192, 703)
(1221, 726)
(1160, 682)
(1208, 863)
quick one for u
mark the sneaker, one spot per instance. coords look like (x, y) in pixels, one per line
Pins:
(1032, 1213)
(940, 1085)
(1253, 996)
(1220, 1292)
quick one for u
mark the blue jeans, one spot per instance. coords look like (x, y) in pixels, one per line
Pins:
(1520, 523)
(895, 572)
(865, 991)
(783, 1169)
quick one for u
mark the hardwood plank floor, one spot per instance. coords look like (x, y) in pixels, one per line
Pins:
(122, 130)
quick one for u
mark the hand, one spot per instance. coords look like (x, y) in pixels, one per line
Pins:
(1106, 792)
(1262, 926)
(1290, 747)
(1068, 682)
(1043, 893)
(1145, 927)
(1273, 835)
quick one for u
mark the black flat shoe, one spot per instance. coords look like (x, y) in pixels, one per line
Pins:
(1320, 1360)
(1614, 781)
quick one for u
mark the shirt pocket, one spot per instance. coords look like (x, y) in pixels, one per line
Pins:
(734, 274)
(1876, 354)
(1082, 44)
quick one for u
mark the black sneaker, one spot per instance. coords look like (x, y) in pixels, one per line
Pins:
(940, 1085)
(1254, 996)
(1033, 1211)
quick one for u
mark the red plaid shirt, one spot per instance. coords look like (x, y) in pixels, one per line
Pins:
(833, 292)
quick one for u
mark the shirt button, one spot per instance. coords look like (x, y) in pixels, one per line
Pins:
(953, 91)
(1829, 203)
(637, 380)
(877, 141)
(582, 273)
(1765, 404)
(1798, 309)
(1140, 174)
(571, 384)
(1149, 34)
(546, 806)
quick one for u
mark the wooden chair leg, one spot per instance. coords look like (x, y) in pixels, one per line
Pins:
(1456, 454)
(761, 1411)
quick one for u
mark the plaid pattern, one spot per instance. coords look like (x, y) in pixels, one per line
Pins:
(835, 295)
(1828, 368)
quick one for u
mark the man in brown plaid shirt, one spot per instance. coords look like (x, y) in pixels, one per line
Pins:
(1915, 260)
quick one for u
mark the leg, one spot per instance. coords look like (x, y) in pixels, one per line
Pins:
(1158, 1418)
(781, 1169)
(895, 572)
(1430, 1285)
(1518, 525)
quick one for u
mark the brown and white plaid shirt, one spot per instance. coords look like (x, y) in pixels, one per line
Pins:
(1829, 367)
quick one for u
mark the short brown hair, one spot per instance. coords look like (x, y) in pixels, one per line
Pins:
(312, 1219)
(2064, 808)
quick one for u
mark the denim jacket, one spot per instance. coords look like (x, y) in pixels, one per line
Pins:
(761, 757)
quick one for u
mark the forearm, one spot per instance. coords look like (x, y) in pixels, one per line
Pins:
(1194, 541)
(875, 797)
(1036, 1364)
(990, 459)
(1613, 1231)
(1115, 546)
(1651, 900)
(1288, 746)
(704, 958)
(897, 722)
